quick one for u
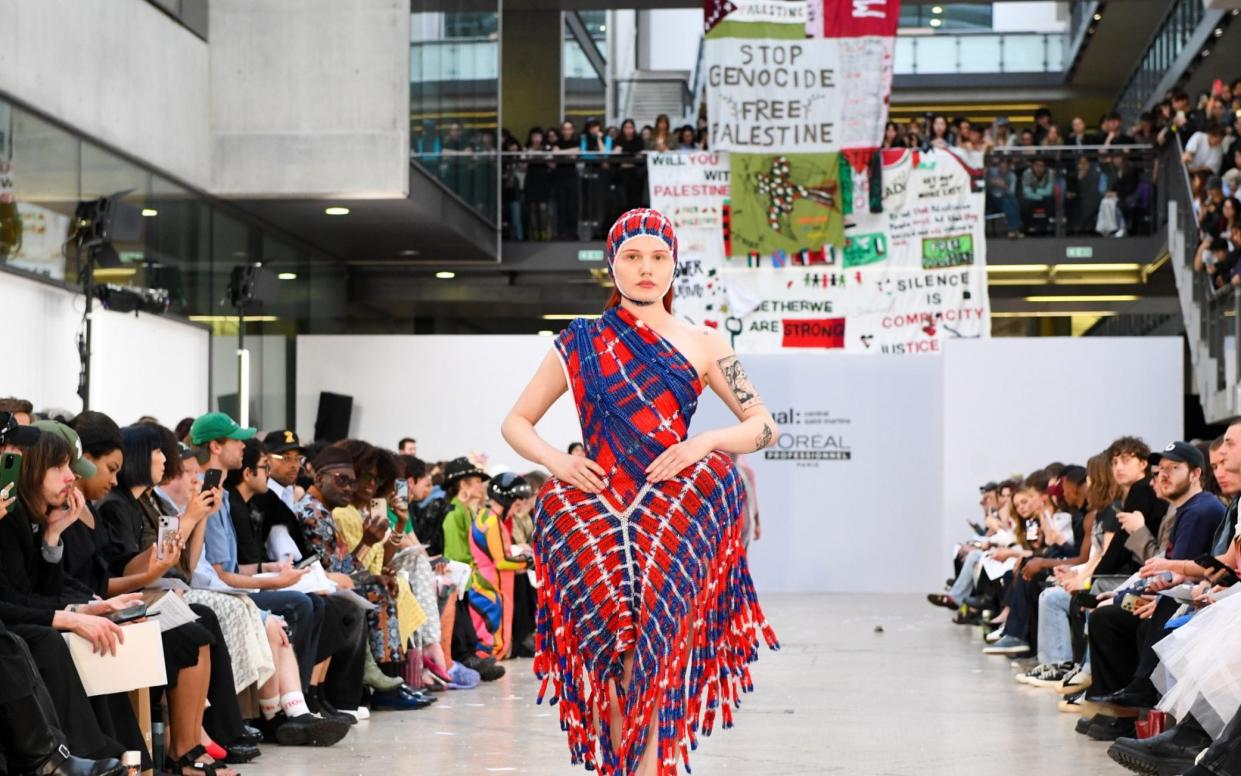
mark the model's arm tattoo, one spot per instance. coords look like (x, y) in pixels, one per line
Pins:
(739, 382)
(764, 439)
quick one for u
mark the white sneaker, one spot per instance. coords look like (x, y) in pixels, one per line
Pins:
(994, 636)
(1026, 677)
(360, 713)
(1075, 683)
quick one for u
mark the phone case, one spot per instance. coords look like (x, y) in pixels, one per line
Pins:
(10, 466)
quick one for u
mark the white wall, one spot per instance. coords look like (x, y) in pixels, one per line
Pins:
(448, 392)
(1030, 16)
(141, 365)
(1013, 405)
(869, 523)
(672, 38)
(310, 97)
(118, 70)
(922, 432)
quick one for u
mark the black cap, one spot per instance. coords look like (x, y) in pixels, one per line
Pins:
(990, 486)
(462, 467)
(1181, 452)
(13, 433)
(331, 457)
(282, 441)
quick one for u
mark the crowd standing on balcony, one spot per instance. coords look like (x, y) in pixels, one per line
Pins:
(558, 183)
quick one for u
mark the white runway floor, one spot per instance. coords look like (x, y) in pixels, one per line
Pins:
(839, 698)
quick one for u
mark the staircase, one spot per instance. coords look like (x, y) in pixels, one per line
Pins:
(1210, 318)
(650, 93)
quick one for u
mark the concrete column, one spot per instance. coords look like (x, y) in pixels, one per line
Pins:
(530, 67)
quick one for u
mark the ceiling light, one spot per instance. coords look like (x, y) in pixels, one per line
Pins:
(287, 275)
(232, 318)
(1086, 298)
(1014, 268)
(1098, 16)
(149, 212)
(337, 211)
(936, 22)
(1129, 266)
(408, 252)
(603, 28)
(1055, 314)
(1206, 52)
(937, 9)
(445, 275)
(546, 333)
(1219, 31)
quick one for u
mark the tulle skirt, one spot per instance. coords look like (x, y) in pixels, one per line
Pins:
(1199, 672)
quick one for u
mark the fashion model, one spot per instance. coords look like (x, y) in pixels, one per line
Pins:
(647, 618)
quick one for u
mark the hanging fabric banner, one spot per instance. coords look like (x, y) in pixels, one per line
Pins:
(692, 189)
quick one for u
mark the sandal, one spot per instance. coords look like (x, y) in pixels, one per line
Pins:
(191, 760)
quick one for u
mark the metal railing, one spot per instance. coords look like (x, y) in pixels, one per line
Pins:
(1081, 190)
(1216, 311)
(980, 52)
(549, 196)
(1174, 35)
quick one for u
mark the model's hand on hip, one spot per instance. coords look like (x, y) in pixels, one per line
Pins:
(577, 471)
(674, 460)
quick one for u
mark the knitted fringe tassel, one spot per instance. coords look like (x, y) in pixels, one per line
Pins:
(693, 683)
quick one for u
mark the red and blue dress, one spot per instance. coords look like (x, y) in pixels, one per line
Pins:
(657, 569)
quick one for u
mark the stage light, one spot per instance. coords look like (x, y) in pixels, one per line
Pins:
(1085, 298)
(337, 211)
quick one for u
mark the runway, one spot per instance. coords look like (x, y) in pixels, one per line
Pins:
(838, 698)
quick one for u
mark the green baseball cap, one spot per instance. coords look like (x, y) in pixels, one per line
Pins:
(218, 425)
(79, 465)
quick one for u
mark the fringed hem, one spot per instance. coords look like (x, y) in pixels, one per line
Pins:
(726, 619)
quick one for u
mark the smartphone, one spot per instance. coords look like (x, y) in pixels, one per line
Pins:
(1130, 602)
(10, 464)
(129, 614)
(379, 507)
(402, 489)
(212, 479)
(306, 561)
(1213, 566)
(1031, 531)
(168, 527)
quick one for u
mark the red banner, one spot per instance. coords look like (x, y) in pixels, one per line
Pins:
(814, 333)
(852, 18)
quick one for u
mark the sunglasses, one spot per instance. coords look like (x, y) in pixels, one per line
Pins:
(344, 480)
(291, 457)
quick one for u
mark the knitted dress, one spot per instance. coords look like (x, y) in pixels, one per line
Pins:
(653, 568)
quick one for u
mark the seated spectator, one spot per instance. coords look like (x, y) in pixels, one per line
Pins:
(490, 590)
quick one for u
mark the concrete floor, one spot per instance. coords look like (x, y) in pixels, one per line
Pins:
(839, 698)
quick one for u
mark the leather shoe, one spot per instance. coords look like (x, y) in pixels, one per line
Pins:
(395, 700)
(62, 763)
(417, 695)
(241, 753)
(1104, 728)
(250, 735)
(1167, 754)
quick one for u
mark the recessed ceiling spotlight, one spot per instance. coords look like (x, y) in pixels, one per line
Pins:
(287, 276)
(445, 275)
(408, 252)
(936, 22)
(149, 212)
(337, 211)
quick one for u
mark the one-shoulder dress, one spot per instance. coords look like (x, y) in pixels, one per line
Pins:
(654, 568)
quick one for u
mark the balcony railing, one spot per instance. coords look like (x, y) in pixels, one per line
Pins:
(546, 196)
(980, 52)
(1175, 34)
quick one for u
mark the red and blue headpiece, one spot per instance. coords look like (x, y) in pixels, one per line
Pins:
(636, 223)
